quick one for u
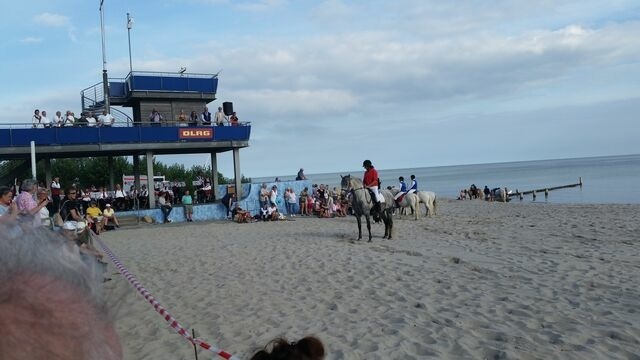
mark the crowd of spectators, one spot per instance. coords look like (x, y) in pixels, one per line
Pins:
(320, 201)
(195, 118)
(69, 119)
(155, 118)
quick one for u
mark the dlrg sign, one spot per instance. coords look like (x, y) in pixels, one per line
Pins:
(195, 133)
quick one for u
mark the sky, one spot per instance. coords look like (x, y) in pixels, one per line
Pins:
(327, 84)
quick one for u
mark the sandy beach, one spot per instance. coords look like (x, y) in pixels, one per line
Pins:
(477, 281)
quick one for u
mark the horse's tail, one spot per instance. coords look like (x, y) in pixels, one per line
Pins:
(435, 205)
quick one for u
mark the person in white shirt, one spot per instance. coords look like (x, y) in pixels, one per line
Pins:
(221, 118)
(165, 206)
(58, 120)
(91, 120)
(120, 197)
(70, 119)
(105, 119)
(36, 119)
(44, 120)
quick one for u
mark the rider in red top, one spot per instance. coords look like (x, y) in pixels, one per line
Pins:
(370, 180)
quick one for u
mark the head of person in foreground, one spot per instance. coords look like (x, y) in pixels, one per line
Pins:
(51, 305)
(307, 348)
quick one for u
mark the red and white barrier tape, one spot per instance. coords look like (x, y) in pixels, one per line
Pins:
(159, 308)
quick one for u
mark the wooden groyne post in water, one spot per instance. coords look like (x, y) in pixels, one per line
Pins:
(545, 190)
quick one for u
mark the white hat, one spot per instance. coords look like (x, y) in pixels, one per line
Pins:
(68, 225)
(109, 205)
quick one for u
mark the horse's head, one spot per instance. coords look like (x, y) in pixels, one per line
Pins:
(345, 183)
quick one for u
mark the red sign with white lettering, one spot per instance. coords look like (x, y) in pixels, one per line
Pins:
(195, 133)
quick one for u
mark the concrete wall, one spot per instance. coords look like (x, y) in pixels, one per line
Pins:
(217, 211)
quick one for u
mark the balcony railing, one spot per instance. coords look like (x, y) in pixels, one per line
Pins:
(19, 135)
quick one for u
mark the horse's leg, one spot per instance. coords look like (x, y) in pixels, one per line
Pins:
(385, 219)
(360, 226)
(368, 225)
(388, 224)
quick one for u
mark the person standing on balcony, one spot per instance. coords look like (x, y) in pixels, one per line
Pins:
(205, 117)
(36, 119)
(70, 120)
(106, 119)
(182, 118)
(233, 121)
(91, 120)
(221, 118)
(58, 120)
(44, 120)
(193, 119)
(155, 118)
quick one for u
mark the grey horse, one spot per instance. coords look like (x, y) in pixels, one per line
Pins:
(361, 203)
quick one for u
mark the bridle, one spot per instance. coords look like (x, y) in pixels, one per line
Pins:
(351, 190)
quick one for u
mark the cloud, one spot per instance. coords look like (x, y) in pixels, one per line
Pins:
(362, 73)
(56, 20)
(31, 40)
(53, 20)
(260, 5)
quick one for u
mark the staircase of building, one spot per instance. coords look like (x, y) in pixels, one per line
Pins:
(92, 99)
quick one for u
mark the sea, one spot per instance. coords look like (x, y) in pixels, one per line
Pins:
(605, 179)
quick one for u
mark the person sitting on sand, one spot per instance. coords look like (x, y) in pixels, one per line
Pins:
(463, 194)
(240, 215)
(94, 216)
(307, 348)
(264, 212)
(273, 213)
(110, 215)
(338, 209)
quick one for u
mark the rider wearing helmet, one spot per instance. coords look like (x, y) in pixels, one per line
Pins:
(414, 185)
(371, 180)
(403, 190)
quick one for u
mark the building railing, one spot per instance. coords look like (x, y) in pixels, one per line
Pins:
(169, 82)
(21, 134)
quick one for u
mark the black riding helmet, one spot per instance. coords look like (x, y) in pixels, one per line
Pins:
(366, 163)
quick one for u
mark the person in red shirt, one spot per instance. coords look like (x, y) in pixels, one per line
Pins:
(371, 181)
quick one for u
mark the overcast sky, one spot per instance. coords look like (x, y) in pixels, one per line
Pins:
(327, 84)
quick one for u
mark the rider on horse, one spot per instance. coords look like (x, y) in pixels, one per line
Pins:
(403, 190)
(371, 181)
(414, 185)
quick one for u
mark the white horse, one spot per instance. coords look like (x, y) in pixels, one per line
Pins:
(428, 198)
(408, 201)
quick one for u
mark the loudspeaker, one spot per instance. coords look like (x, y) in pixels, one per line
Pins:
(227, 107)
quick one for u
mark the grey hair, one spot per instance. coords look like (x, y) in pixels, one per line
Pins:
(34, 264)
(28, 184)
